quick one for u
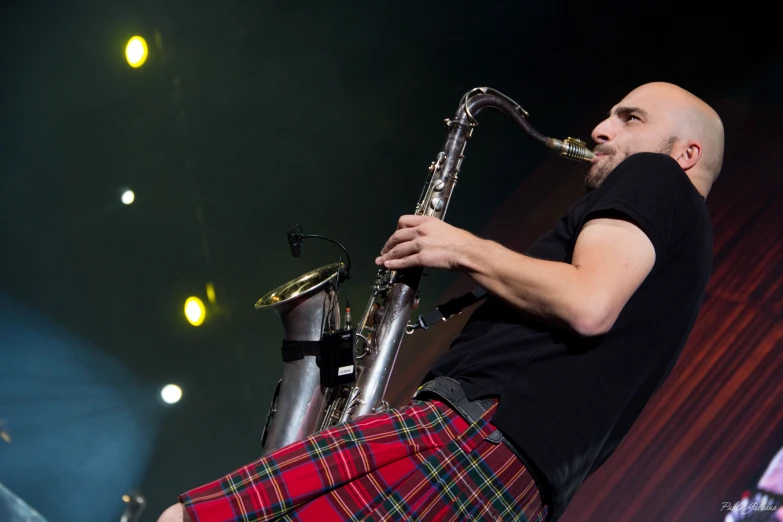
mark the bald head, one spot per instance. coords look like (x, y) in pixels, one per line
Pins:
(694, 121)
(662, 117)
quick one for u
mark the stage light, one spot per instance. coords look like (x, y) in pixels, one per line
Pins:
(211, 293)
(171, 393)
(128, 196)
(195, 311)
(136, 51)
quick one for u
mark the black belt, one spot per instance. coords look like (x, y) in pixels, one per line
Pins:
(450, 391)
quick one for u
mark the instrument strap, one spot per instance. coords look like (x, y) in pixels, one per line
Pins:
(451, 307)
(295, 350)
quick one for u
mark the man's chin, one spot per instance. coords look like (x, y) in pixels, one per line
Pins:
(594, 177)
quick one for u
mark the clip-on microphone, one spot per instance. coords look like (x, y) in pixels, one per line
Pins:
(295, 242)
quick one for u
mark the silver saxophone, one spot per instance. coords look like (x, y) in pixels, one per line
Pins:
(301, 405)
(134, 505)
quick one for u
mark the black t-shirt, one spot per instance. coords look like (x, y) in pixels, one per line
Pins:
(567, 401)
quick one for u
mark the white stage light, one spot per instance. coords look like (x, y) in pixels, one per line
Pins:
(171, 393)
(128, 196)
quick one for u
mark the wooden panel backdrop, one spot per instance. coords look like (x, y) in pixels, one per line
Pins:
(717, 421)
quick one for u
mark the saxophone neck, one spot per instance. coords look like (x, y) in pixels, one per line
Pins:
(571, 148)
(475, 100)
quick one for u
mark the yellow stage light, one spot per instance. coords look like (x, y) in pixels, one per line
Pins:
(211, 293)
(195, 311)
(136, 51)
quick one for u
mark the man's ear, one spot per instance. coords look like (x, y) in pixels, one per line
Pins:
(690, 155)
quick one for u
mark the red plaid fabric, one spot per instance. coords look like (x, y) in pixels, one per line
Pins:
(421, 462)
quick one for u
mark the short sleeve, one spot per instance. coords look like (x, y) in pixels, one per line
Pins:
(651, 190)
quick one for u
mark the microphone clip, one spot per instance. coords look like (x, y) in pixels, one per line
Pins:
(295, 237)
(295, 240)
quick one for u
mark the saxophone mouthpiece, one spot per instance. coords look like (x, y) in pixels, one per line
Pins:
(571, 148)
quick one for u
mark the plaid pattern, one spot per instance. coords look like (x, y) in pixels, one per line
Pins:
(422, 462)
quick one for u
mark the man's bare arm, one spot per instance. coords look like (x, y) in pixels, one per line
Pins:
(612, 257)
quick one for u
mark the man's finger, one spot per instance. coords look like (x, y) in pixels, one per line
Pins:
(411, 220)
(405, 262)
(401, 236)
(402, 250)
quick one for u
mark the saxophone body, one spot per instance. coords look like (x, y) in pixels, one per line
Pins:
(300, 407)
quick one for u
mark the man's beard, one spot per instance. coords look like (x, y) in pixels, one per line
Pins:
(598, 173)
(612, 157)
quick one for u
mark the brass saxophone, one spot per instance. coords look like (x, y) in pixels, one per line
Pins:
(301, 405)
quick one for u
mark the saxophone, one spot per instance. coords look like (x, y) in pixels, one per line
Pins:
(301, 404)
(135, 504)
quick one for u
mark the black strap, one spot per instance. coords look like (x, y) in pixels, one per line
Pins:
(450, 391)
(295, 350)
(453, 306)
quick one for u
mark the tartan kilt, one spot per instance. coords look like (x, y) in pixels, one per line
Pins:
(421, 462)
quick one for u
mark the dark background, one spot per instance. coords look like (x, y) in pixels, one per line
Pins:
(246, 117)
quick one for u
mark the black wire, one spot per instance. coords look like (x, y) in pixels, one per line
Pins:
(347, 257)
(325, 315)
(347, 302)
(335, 302)
(328, 315)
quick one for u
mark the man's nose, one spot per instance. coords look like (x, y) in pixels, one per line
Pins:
(603, 132)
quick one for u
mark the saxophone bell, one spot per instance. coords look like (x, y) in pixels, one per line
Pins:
(306, 305)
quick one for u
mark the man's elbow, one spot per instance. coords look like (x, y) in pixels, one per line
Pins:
(592, 320)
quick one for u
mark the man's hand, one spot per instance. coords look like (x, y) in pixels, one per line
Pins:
(427, 242)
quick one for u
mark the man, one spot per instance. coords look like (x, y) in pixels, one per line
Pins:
(575, 337)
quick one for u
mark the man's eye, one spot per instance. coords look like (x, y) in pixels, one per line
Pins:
(633, 117)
